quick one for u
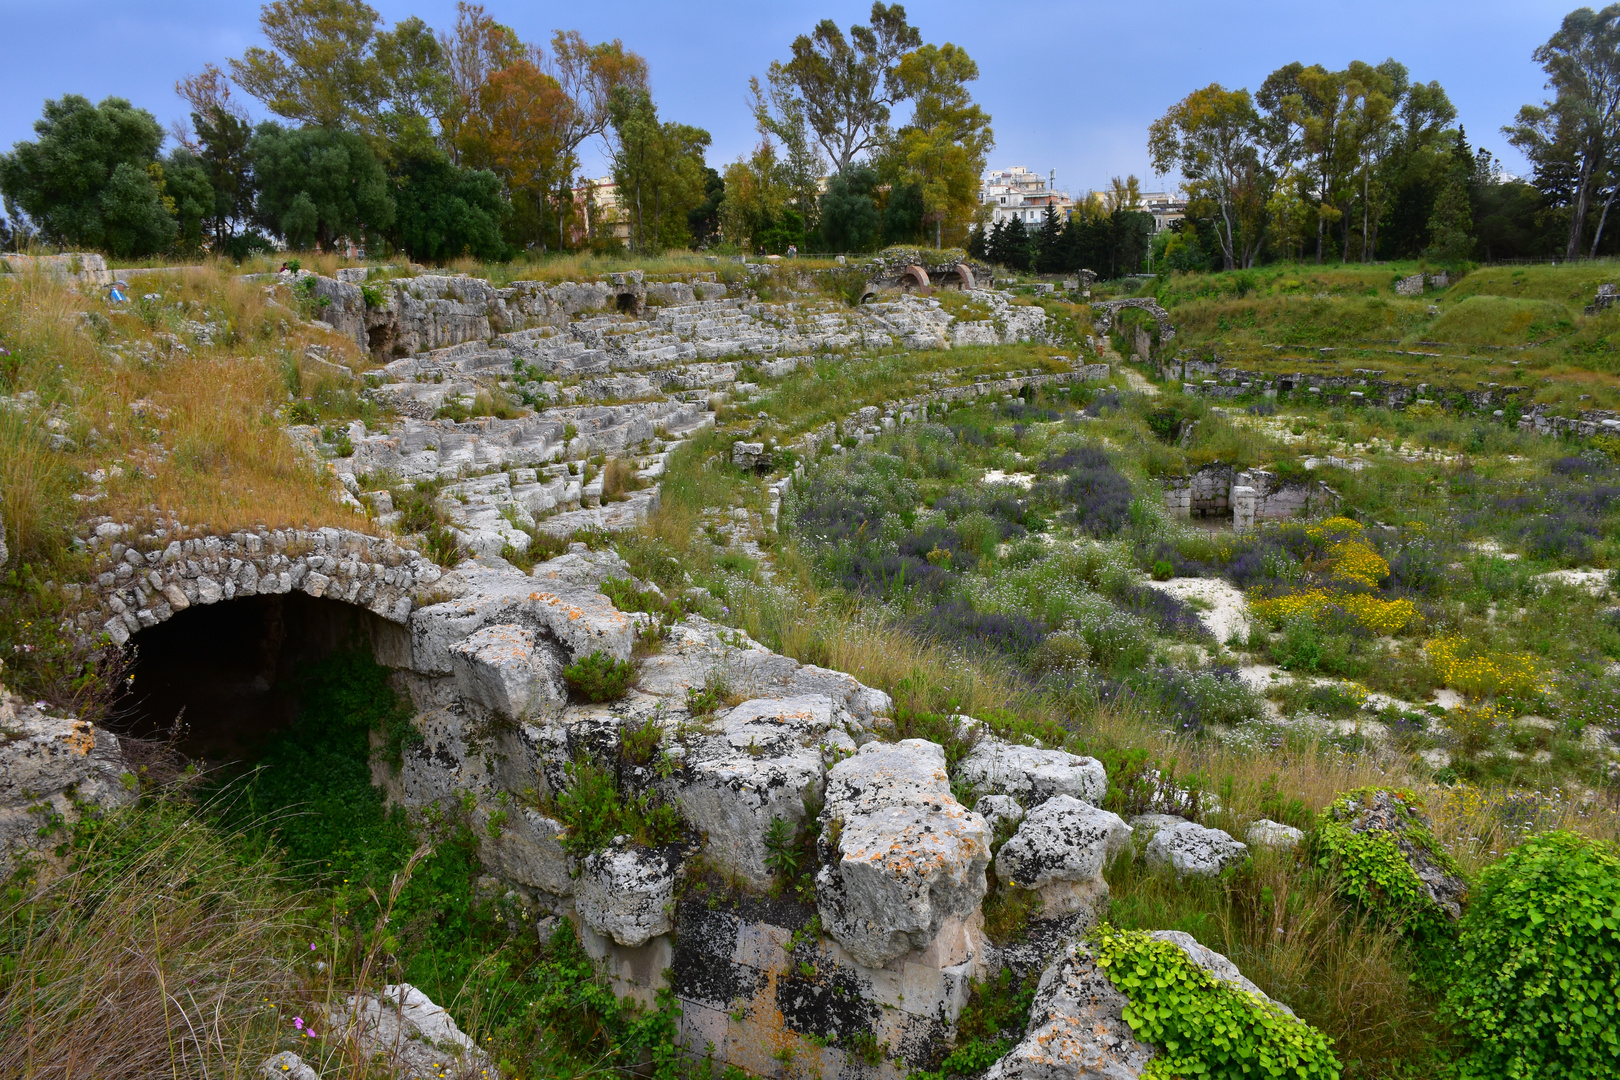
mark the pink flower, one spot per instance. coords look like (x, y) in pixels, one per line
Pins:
(298, 1022)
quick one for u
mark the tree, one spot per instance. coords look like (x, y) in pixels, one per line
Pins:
(443, 211)
(321, 67)
(850, 219)
(219, 136)
(477, 49)
(515, 131)
(781, 116)
(415, 75)
(1571, 139)
(1216, 138)
(903, 213)
(845, 87)
(756, 200)
(87, 180)
(703, 220)
(1010, 244)
(188, 195)
(658, 168)
(941, 151)
(1414, 169)
(1049, 247)
(317, 186)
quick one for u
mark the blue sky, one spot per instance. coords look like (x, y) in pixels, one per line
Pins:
(1070, 86)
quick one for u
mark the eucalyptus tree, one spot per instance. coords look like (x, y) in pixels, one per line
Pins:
(1572, 139)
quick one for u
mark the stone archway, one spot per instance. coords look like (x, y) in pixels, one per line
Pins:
(914, 277)
(221, 679)
(959, 276)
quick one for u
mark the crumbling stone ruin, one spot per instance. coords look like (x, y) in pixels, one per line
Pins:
(1247, 497)
(923, 268)
(1415, 284)
(1215, 378)
(885, 954)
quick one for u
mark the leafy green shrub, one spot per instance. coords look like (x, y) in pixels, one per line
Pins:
(1373, 871)
(599, 677)
(1537, 985)
(791, 851)
(1200, 1025)
(996, 1009)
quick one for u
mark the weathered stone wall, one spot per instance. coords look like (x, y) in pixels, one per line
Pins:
(1216, 379)
(84, 266)
(1248, 497)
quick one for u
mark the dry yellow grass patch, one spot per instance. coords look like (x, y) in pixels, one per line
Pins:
(174, 420)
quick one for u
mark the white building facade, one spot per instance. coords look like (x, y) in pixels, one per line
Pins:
(1017, 193)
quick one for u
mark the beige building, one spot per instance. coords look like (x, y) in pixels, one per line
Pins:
(597, 212)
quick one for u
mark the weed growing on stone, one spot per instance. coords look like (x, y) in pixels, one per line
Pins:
(599, 677)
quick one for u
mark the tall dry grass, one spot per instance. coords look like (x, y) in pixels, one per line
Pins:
(178, 423)
(161, 946)
(162, 952)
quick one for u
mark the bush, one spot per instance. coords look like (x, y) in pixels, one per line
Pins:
(956, 621)
(1373, 871)
(1537, 986)
(1191, 700)
(599, 677)
(1099, 494)
(1200, 1025)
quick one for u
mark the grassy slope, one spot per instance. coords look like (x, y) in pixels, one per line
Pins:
(1481, 325)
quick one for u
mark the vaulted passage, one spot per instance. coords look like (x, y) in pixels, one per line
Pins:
(227, 671)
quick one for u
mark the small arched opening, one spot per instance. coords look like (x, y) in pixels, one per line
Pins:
(913, 277)
(625, 303)
(959, 276)
(220, 680)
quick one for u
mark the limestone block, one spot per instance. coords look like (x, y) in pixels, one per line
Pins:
(1076, 1029)
(529, 851)
(1145, 827)
(901, 856)
(764, 763)
(1031, 775)
(54, 765)
(581, 620)
(1059, 851)
(697, 647)
(1273, 834)
(996, 809)
(627, 895)
(750, 455)
(403, 1030)
(504, 669)
(1191, 849)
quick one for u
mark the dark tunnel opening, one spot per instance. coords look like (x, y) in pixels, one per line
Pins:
(219, 681)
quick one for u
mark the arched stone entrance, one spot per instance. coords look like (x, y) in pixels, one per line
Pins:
(221, 679)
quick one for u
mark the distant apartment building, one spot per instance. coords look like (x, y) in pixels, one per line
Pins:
(1166, 207)
(1021, 194)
